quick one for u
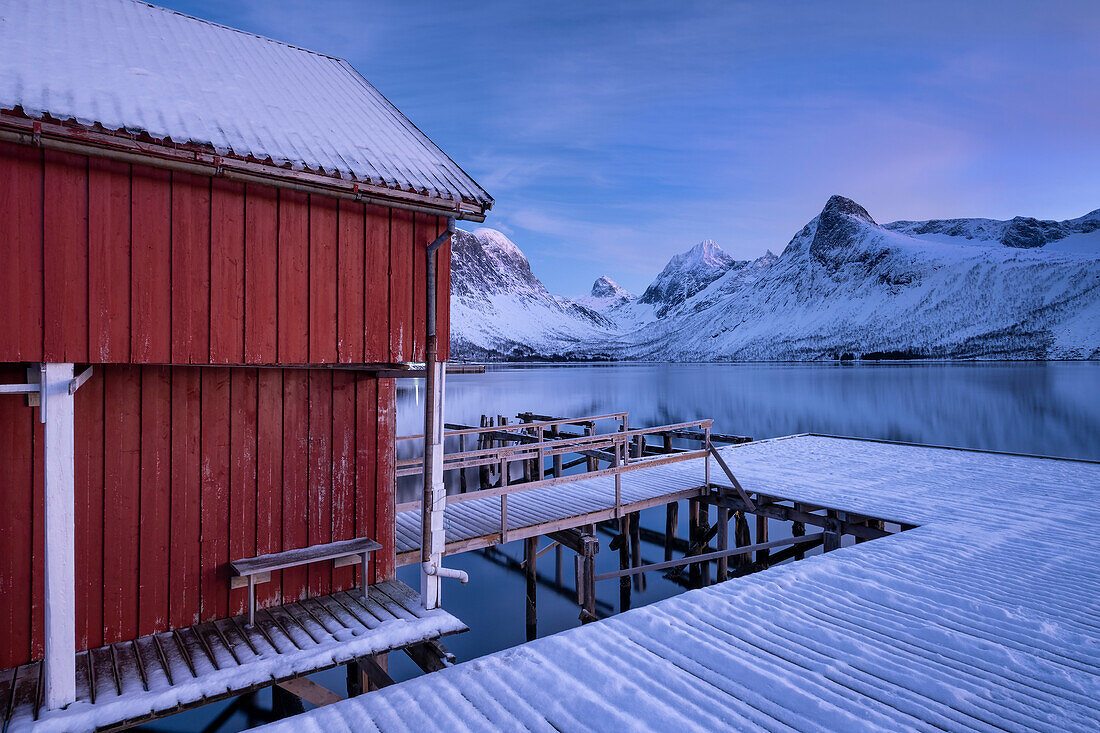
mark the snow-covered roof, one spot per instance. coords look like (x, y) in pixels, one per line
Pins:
(984, 617)
(137, 68)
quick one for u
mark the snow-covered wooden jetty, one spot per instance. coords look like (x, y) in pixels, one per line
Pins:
(985, 616)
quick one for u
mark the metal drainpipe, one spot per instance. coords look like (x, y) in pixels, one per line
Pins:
(431, 556)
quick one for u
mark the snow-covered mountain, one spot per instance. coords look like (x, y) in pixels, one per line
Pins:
(686, 274)
(847, 286)
(500, 310)
(605, 295)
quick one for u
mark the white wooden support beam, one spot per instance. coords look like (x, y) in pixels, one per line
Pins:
(57, 413)
(431, 585)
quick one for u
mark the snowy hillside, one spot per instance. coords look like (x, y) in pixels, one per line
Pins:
(500, 310)
(846, 286)
(606, 294)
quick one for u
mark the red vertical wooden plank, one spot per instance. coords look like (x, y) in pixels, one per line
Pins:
(38, 544)
(88, 428)
(385, 566)
(343, 468)
(293, 278)
(16, 522)
(214, 533)
(226, 272)
(242, 475)
(261, 279)
(186, 572)
(322, 280)
(108, 260)
(376, 277)
(190, 269)
(295, 476)
(320, 474)
(349, 291)
(401, 285)
(269, 475)
(65, 257)
(21, 251)
(423, 235)
(366, 450)
(443, 296)
(121, 501)
(151, 266)
(156, 499)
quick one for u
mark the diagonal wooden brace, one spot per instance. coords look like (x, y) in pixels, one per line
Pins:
(733, 479)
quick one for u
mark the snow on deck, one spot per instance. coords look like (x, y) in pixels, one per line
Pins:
(985, 617)
(130, 66)
(476, 523)
(129, 682)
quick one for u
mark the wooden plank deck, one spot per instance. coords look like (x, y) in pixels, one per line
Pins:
(127, 683)
(984, 617)
(476, 523)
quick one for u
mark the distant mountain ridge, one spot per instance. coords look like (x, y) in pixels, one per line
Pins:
(844, 286)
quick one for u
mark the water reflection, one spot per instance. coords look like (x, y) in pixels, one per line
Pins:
(1045, 407)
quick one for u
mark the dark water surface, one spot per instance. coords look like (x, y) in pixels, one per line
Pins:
(1048, 408)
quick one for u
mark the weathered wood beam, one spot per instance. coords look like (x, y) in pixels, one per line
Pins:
(789, 514)
(706, 557)
(308, 690)
(378, 676)
(733, 479)
(430, 656)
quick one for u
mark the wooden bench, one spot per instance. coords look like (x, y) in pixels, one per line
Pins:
(256, 570)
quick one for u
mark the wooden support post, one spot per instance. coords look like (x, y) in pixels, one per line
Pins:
(586, 573)
(557, 458)
(636, 550)
(694, 534)
(462, 471)
(56, 411)
(704, 528)
(832, 531)
(672, 527)
(558, 570)
(483, 477)
(762, 556)
(741, 538)
(619, 449)
(798, 529)
(530, 554)
(434, 499)
(723, 542)
(376, 668)
(590, 429)
(622, 544)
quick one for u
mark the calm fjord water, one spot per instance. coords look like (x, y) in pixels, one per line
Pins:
(1050, 408)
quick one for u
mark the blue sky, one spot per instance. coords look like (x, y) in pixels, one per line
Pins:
(615, 134)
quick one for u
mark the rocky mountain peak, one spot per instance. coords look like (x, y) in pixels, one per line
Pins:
(687, 273)
(486, 262)
(605, 287)
(840, 224)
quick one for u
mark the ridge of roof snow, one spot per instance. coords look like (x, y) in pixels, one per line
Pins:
(130, 67)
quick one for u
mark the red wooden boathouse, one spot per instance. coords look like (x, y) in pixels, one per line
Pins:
(234, 235)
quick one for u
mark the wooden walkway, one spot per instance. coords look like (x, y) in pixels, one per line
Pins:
(168, 672)
(984, 617)
(476, 522)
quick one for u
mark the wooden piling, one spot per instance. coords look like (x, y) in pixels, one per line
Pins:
(741, 538)
(723, 542)
(798, 529)
(530, 551)
(672, 527)
(462, 472)
(554, 432)
(832, 531)
(636, 550)
(693, 539)
(762, 556)
(622, 544)
(704, 528)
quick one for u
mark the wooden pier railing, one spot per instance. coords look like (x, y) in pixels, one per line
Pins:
(527, 442)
